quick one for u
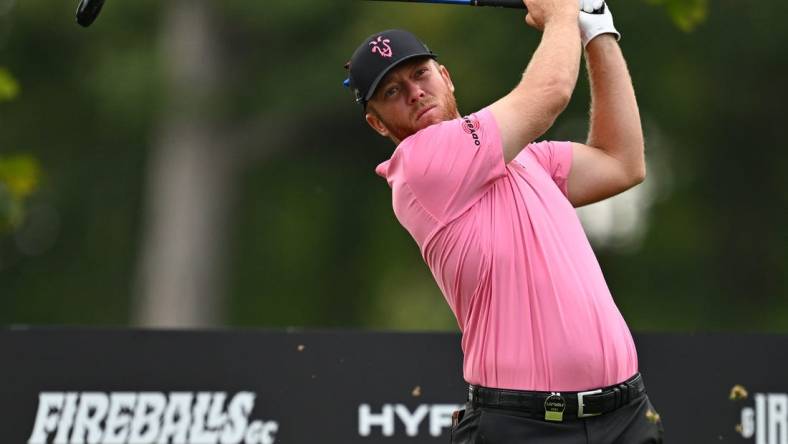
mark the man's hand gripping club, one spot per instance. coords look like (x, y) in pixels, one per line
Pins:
(595, 20)
(542, 12)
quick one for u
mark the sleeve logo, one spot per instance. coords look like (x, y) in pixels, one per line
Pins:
(471, 126)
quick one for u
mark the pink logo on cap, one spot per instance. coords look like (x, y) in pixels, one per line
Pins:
(381, 46)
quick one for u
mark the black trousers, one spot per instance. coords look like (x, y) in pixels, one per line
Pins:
(634, 423)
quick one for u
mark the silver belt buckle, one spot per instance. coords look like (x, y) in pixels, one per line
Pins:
(581, 406)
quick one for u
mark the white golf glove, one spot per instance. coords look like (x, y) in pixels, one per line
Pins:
(593, 25)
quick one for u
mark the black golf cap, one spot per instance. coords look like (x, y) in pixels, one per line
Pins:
(379, 54)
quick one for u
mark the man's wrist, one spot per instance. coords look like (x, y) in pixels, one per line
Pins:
(601, 41)
(569, 19)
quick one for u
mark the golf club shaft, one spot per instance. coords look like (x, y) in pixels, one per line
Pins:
(516, 4)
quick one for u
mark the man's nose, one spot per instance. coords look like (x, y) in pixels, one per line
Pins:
(415, 93)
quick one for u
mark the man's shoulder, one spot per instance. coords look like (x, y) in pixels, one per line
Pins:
(447, 132)
(430, 133)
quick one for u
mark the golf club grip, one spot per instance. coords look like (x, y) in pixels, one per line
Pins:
(514, 4)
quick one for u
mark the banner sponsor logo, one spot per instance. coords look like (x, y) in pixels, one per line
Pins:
(767, 420)
(148, 418)
(423, 419)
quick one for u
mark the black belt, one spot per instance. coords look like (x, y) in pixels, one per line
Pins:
(568, 404)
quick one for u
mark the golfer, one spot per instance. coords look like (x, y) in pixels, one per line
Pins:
(547, 354)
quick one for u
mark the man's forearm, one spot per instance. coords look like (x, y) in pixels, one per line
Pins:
(615, 119)
(555, 65)
(556, 61)
(545, 89)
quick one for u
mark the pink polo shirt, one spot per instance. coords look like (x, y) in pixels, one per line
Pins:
(511, 258)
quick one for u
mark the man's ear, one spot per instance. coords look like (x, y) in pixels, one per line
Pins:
(374, 121)
(446, 77)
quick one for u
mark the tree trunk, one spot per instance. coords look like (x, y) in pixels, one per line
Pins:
(191, 179)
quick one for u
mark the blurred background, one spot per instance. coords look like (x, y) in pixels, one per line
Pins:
(197, 163)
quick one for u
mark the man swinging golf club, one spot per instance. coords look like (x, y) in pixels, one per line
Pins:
(547, 354)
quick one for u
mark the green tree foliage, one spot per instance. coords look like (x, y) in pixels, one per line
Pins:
(686, 14)
(19, 176)
(9, 87)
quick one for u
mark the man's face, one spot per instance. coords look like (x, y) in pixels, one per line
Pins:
(413, 96)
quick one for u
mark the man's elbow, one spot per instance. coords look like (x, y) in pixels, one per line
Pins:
(639, 177)
(560, 95)
(554, 102)
(637, 173)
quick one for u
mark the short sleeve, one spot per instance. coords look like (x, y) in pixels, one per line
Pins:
(554, 157)
(451, 165)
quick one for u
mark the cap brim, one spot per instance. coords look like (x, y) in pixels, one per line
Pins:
(374, 85)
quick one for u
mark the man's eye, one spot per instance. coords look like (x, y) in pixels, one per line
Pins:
(391, 91)
(421, 72)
